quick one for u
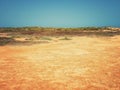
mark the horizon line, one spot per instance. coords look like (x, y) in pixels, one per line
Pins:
(56, 26)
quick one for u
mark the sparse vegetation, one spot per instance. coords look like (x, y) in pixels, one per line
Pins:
(60, 31)
(45, 38)
(65, 38)
(31, 34)
(5, 40)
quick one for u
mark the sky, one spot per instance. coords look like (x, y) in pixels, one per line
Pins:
(59, 13)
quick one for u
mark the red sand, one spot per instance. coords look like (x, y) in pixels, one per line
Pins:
(79, 64)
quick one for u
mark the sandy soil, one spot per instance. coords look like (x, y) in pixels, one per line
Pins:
(83, 63)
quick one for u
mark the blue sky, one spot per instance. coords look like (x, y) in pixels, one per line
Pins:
(59, 13)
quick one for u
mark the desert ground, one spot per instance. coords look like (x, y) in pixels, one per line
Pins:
(78, 63)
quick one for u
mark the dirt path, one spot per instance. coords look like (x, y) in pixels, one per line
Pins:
(82, 63)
